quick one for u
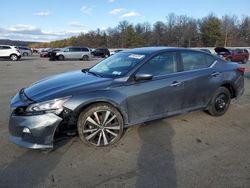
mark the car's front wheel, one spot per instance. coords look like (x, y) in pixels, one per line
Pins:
(85, 58)
(220, 102)
(61, 57)
(100, 125)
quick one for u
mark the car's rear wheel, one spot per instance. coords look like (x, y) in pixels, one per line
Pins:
(100, 125)
(220, 102)
(61, 57)
(13, 57)
(85, 58)
(25, 54)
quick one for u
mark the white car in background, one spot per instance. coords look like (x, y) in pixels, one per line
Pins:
(10, 52)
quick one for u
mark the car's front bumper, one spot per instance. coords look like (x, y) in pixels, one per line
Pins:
(41, 129)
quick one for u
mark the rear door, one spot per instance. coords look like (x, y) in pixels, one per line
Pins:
(200, 79)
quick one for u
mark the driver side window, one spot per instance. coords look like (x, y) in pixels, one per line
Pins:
(161, 64)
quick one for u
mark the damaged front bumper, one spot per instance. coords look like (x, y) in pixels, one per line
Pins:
(34, 131)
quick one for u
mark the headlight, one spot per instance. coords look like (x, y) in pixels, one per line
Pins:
(55, 106)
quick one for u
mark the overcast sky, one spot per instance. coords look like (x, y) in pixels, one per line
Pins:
(47, 20)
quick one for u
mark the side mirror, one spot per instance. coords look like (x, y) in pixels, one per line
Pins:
(143, 76)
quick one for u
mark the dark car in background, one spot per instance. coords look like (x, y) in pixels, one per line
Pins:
(236, 55)
(128, 88)
(101, 52)
(53, 50)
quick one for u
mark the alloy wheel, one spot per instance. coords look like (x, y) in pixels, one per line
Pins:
(13, 57)
(101, 128)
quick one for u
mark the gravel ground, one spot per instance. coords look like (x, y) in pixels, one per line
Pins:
(190, 150)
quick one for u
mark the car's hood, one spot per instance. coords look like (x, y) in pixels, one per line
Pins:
(65, 84)
(221, 50)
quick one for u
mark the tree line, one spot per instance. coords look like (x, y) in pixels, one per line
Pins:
(176, 30)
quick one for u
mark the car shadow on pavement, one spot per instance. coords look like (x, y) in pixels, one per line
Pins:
(156, 163)
(32, 167)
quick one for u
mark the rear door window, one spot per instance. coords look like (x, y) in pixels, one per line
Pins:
(196, 60)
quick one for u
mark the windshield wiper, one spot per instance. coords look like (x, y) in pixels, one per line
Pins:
(94, 73)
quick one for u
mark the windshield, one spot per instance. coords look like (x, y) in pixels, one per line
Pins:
(117, 65)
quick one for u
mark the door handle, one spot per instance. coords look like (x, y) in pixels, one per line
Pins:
(175, 84)
(215, 74)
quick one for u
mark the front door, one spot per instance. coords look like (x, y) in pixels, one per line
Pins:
(158, 97)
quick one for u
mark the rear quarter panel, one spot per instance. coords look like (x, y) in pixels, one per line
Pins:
(231, 75)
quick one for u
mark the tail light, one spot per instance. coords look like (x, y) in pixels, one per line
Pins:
(18, 50)
(242, 70)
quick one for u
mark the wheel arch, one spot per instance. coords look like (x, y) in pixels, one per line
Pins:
(85, 55)
(61, 55)
(13, 54)
(84, 106)
(230, 88)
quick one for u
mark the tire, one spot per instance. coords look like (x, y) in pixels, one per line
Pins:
(100, 125)
(85, 58)
(220, 102)
(60, 57)
(13, 57)
(106, 56)
(25, 54)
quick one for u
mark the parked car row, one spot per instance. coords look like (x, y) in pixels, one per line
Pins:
(75, 52)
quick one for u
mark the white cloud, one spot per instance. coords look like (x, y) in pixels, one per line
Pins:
(116, 11)
(42, 13)
(130, 14)
(20, 27)
(32, 33)
(76, 24)
(86, 10)
(112, 1)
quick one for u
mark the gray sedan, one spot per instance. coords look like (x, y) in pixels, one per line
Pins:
(128, 88)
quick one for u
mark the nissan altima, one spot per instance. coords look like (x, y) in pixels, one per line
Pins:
(128, 88)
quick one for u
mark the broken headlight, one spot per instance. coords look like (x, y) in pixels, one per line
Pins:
(54, 106)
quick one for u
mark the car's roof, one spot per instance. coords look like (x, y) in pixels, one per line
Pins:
(150, 50)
